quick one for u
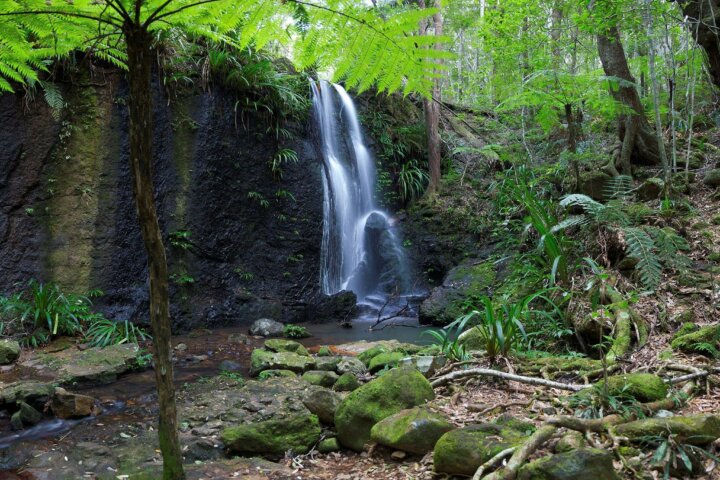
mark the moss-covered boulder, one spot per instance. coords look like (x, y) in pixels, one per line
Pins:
(385, 360)
(28, 391)
(9, 351)
(416, 430)
(347, 382)
(323, 403)
(321, 378)
(447, 302)
(351, 365)
(651, 188)
(712, 178)
(702, 340)
(266, 360)
(324, 351)
(691, 429)
(582, 464)
(367, 356)
(265, 374)
(643, 387)
(427, 365)
(327, 363)
(280, 345)
(593, 183)
(397, 390)
(472, 339)
(462, 451)
(329, 445)
(274, 437)
(572, 440)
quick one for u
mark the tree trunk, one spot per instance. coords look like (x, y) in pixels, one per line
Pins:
(640, 145)
(432, 112)
(573, 129)
(703, 19)
(140, 103)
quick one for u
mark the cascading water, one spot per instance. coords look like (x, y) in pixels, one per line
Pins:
(360, 248)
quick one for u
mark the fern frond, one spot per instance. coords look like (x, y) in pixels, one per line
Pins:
(641, 247)
(54, 99)
(669, 244)
(619, 186)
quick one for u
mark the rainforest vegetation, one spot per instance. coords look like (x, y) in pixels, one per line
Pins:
(359, 239)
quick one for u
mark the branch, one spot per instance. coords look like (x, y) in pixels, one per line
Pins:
(535, 441)
(491, 463)
(61, 12)
(507, 376)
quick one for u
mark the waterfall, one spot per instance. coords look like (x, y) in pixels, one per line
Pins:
(361, 250)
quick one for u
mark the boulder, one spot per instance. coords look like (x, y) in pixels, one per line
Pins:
(323, 403)
(702, 340)
(651, 189)
(572, 440)
(347, 382)
(275, 436)
(322, 378)
(327, 363)
(266, 360)
(462, 451)
(416, 430)
(95, 366)
(9, 351)
(427, 365)
(28, 391)
(385, 360)
(643, 387)
(281, 345)
(593, 183)
(351, 365)
(265, 374)
(397, 390)
(582, 464)
(25, 417)
(329, 445)
(712, 178)
(324, 351)
(266, 327)
(71, 405)
(691, 429)
(334, 308)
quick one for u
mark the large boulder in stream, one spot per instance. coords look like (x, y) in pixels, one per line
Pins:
(398, 389)
(28, 391)
(261, 360)
(267, 327)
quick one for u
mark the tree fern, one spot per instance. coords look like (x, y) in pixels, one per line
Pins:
(619, 186)
(54, 98)
(641, 247)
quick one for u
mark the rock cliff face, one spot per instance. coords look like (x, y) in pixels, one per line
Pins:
(241, 243)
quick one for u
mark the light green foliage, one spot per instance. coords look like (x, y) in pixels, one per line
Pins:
(103, 332)
(295, 331)
(448, 341)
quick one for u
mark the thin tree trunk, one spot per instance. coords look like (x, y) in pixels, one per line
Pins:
(572, 131)
(432, 112)
(703, 19)
(140, 102)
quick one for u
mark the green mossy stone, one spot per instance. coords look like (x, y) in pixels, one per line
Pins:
(28, 415)
(266, 360)
(321, 378)
(462, 451)
(347, 382)
(582, 464)
(386, 359)
(329, 364)
(329, 445)
(324, 351)
(416, 430)
(366, 356)
(643, 387)
(351, 365)
(703, 341)
(430, 351)
(397, 390)
(265, 374)
(274, 437)
(712, 178)
(323, 403)
(280, 345)
(572, 440)
(9, 351)
(691, 429)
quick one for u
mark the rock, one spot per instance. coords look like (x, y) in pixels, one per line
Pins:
(16, 421)
(572, 440)
(265, 374)
(398, 455)
(329, 445)
(385, 360)
(593, 183)
(447, 302)
(265, 360)
(334, 308)
(238, 339)
(28, 391)
(351, 365)
(280, 345)
(28, 415)
(323, 403)
(71, 405)
(347, 382)
(322, 378)
(712, 178)
(230, 366)
(399, 389)
(181, 347)
(691, 429)
(274, 437)
(703, 340)
(202, 450)
(324, 351)
(579, 464)
(643, 387)
(327, 363)
(427, 365)
(472, 339)
(651, 189)
(94, 366)
(414, 431)
(266, 327)
(462, 451)
(9, 351)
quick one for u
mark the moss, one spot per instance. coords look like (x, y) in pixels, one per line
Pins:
(329, 445)
(583, 463)
(414, 431)
(400, 388)
(685, 328)
(559, 364)
(280, 345)
(628, 451)
(265, 374)
(265, 360)
(385, 359)
(643, 387)
(703, 341)
(370, 353)
(691, 429)
(274, 437)
(714, 257)
(347, 382)
(324, 351)
(322, 378)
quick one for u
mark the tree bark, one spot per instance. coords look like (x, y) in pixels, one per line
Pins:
(703, 19)
(640, 145)
(139, 53)
(432, 111)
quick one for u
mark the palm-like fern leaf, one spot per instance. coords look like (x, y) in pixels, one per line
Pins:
(641, 247)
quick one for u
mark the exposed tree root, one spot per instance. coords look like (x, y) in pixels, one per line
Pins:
(492, 462)
(473, 372)
(536, 440)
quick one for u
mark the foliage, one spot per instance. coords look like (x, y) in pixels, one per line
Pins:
(295, 331)
(283, 156)
(103, 332)
(598, 403)
(181, 239)
(233, 376)
(448, 341)
(411, 181)
(672, 455)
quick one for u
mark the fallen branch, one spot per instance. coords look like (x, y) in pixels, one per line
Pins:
(472, 372)
(491, 463)
(535, 441)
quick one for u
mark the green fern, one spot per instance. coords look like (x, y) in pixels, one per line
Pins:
(54, 99)
(619, 186)
(641, 247)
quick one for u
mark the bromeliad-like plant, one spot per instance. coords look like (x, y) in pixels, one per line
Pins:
(449, 343)
(104, 332)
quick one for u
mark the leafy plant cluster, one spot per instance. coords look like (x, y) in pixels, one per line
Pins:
(295, 331)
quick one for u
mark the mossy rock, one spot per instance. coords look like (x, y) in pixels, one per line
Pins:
(322, 378)
(329, 445)
(593, 183)
(582, 464)
(691, 429)
(472, 339)
(266, 360)
(323, 403)
(29, 391)
(366, 356)
(324, 351)
(280, 345)
(347, 382)
(572, 440)
(712, 178)
(643, 387)
(329, 364)
(351, 365)
(416, 430)
(274, 437)
(703, 340)
(462, 451)
(9, 351)
(266, 374)
(385, 360)
(651, 188)
(398, 389)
